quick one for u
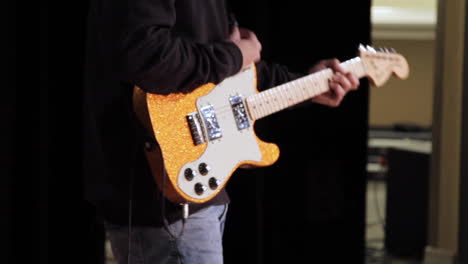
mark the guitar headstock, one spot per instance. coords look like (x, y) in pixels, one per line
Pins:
(382, 63)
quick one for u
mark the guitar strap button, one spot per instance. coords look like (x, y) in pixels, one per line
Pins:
(149, 144)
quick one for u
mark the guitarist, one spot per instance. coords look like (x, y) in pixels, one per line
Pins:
(163, 46)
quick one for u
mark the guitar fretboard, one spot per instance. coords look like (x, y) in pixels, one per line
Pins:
(286, 95)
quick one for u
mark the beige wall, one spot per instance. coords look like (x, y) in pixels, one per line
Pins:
(406, 3)
(407, 100)
(411, 100)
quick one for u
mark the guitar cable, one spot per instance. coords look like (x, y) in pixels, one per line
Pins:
(134, 150)
(132, 174)
(130, 191)
(185, 210)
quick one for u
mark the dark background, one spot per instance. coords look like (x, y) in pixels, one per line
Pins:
(7, 108)
(308, 207)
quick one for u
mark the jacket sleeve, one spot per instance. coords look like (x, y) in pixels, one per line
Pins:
(151, 55)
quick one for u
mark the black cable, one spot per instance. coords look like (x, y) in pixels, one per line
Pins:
(163, 210)
(130, 217)
(134, 150)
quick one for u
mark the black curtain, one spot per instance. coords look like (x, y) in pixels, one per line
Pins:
(65, 226)
(309, 207)
(7, 109)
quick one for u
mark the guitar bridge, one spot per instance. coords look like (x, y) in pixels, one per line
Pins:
(204, 127)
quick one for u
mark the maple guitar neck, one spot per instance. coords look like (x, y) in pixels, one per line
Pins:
(291, 93)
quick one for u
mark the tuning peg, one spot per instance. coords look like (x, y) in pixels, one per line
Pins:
(369, 48)
(362, 48)
(386, 50)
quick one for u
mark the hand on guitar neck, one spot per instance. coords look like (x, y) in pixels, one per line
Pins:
(340, 83)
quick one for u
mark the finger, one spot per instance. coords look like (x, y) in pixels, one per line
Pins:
(317, 67)
(321, 65)
(247, 34)
(337, 90)
(257, 58)
(235, 34)
(330, 63)
(244, 32)
(329, 99)
(353, 79)
(343, 81)
(337, 68)
(250, 35)
(335, 65)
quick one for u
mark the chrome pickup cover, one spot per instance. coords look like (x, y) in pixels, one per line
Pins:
(238, 109)
(211, 122)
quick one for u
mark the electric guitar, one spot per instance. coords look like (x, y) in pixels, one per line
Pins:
(204, 136)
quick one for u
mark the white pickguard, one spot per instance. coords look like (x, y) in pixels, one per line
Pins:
(224, 154)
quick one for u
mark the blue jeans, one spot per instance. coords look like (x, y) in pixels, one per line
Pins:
(201, 242)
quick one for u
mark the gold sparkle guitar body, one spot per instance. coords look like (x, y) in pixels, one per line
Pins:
(197, 172)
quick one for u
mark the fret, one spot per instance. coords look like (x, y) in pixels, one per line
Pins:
(278, 102)
(268, 103)
(297, 95)
(311, 90)
(262, 104)
(282, 95)
(297, 92)
(254, 109)
(292, 92)
(302, 88)
(305, 89)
